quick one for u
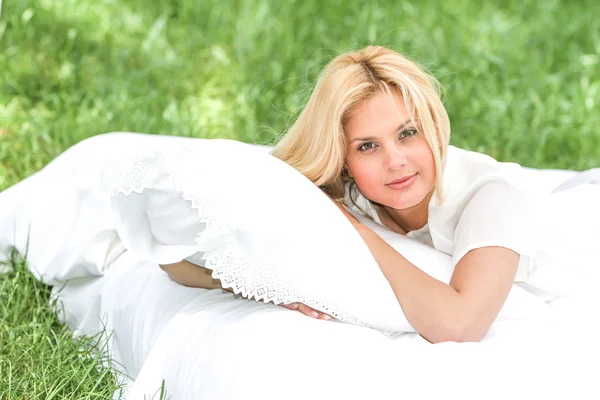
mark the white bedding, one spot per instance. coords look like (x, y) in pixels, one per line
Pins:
(210, 345)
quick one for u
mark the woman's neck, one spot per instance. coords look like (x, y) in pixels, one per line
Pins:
(408, 219)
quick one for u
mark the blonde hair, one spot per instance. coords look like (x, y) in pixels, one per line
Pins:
(316, 144)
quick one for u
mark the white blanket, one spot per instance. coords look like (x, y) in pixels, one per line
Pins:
(210, 345)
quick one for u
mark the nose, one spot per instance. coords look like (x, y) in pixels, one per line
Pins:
(395, 157)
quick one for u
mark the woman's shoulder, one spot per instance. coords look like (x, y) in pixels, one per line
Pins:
(479, 191)
(471, 165)
(466, 171)
(466, 174)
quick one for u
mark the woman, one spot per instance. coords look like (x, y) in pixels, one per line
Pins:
(375, 136)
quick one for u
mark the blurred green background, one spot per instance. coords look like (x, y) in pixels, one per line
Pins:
(521, 78)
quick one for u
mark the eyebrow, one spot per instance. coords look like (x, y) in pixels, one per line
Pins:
(400, 127)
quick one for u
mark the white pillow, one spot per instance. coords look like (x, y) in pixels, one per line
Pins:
(265, 231)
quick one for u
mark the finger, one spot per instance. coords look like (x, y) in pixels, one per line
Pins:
(306, 310)
(325, 317)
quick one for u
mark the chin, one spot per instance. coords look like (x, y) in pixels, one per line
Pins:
(404, 203)
(401, 205)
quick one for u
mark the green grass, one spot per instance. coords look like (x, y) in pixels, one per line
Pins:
(38, 357)
(522, 83)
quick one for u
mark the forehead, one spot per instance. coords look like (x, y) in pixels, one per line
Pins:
(377, 115)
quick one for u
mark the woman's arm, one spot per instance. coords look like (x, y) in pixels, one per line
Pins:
(464, 309)
(192, 275)
(461, 311)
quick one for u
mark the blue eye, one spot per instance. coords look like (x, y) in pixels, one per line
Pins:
(408, 133)
(366, 146)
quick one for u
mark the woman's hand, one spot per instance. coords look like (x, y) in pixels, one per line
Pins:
(306, 310)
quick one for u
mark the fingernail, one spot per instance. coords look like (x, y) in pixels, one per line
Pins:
(327, 317)
(315, 314)
(294, 305)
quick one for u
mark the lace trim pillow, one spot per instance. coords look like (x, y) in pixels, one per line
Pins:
(263, 228)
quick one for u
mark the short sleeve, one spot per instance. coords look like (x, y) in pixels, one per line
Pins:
(498, 214)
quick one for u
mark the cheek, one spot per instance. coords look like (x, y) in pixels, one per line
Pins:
(426, 164)
(365, 174)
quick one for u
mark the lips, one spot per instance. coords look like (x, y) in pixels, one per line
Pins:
(403, 179)
(403, 183)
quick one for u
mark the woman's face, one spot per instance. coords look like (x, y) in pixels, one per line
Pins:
(390, 161)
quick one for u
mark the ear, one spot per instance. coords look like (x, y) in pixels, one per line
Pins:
(348, 171)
